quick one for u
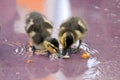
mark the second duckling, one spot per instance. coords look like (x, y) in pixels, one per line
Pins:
(71, 30)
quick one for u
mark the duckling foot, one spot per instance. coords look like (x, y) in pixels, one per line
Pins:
(66, 54)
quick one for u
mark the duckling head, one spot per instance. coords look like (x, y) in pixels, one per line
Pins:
(52, 45)
(67, 40)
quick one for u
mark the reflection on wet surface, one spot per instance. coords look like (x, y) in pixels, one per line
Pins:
(42, 66)
(102, 42)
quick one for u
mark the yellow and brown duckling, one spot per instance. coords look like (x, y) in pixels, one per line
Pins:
(71, 30)
(39, 28)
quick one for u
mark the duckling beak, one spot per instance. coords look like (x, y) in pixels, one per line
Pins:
(59, 54)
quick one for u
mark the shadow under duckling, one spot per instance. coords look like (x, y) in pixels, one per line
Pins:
(71, 31)
(39, 29)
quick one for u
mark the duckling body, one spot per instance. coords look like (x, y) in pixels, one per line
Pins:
(71, 31)
(38, 28)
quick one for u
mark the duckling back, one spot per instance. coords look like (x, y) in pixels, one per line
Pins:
(38, 28)
(75, 25)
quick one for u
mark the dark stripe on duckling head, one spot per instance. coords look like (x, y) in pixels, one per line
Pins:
(69, 40)
(52, 45)
(53, 41)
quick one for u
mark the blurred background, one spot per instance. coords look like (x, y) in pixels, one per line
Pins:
(102, 40)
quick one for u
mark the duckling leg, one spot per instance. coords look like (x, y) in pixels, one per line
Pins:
(80, 41)
(77, 49)
(33, 49)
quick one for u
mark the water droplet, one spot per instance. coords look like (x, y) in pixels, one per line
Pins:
(106, 9)
(96, 7)
(17, 73)
(16, 50)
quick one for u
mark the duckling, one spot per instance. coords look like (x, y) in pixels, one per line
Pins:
(39, 28)
(71, 31)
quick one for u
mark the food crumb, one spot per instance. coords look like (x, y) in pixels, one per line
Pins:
(29, 61)
(85, 55)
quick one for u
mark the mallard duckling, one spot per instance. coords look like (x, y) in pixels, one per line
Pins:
(71, 30)
(39, 28)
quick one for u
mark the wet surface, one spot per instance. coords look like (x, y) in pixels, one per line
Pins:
(102, 42)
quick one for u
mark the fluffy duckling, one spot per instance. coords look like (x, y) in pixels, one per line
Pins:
(71, 30)
(39, 28)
